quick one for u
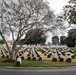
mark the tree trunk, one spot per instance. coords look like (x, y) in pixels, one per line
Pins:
(12, 55)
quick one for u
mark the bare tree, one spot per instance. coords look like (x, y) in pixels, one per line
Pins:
(19, 16)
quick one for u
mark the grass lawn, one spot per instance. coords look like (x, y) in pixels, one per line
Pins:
(44, 63)
(5, 64)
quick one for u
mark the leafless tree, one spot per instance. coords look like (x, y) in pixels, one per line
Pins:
(19, 16)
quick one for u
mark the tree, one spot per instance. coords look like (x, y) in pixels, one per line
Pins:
(37, 38)
(70, 42)
(71, 39)
(1, 42)
(72, 33)
(17, 17)
(70, 12)
(62, 40)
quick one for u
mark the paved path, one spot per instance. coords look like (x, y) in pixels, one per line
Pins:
(38, 71)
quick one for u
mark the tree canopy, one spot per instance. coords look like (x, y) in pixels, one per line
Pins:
(38, 37)
(70, 42)
(71, 39)
(70, 12)
(62, 40)
(72, 33)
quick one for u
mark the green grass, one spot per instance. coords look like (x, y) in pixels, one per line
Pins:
(5, 64)
(44, 63)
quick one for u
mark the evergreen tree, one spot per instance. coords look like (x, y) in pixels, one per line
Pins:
(38, 37)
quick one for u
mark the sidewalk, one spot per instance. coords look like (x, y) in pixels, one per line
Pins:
(39, 69)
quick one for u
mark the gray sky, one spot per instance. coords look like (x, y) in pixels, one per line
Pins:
(57, 5)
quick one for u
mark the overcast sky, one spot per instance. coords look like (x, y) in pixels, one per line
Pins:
(57, 5)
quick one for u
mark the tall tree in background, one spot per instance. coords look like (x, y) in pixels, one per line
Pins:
(70, 12)
(17, 17)
(62, 40)
(72, 33)
(70, 42)
(71, 39)
(37, 38)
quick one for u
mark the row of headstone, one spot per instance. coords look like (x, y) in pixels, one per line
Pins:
(53, 52)
(33, 55)
(58, 53)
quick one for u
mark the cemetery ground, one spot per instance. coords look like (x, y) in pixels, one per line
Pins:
(32, 55)
(32, 63)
